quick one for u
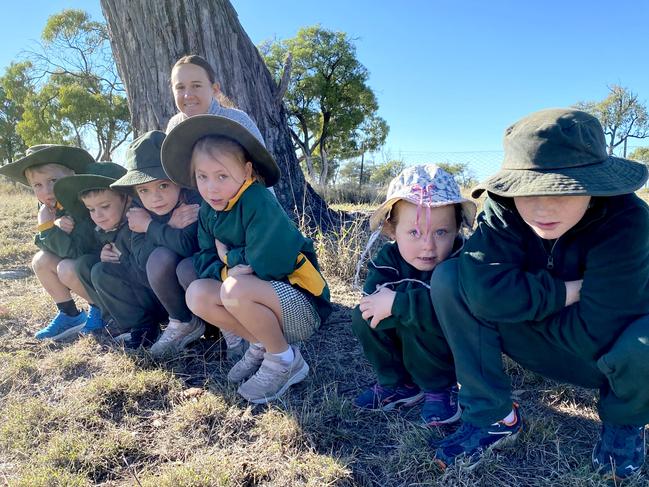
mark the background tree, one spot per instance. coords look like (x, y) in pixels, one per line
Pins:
(640, 154)
(382, 174)
(460, 171)
(15, 87)
(622, 115)
(148, 37)
(80, 97)
(327, 96)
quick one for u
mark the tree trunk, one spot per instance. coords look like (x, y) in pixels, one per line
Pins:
(148, 36)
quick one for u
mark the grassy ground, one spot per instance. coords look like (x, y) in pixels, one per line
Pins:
(89, 413)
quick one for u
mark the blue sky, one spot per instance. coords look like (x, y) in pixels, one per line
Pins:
(449, 75)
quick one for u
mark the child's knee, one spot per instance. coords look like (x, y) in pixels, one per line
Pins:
(66, 270)
(234, 292)
(44, 261)
(185, 272)
(161, 264)
(444, 282)
(197, 295)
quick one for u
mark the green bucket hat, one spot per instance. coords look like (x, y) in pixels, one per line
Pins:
(73, 157)
(98, 175)
(143, 160)
(177, 148)
(561, 152)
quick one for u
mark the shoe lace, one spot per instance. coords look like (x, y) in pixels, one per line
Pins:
(172, 332)
(265, 375)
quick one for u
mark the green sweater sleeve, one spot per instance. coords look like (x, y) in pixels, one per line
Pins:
(492, 278)
(272, 241)
(68, 246)
(236, 256)
(141, 248)
(182, 241)
(412, 305)
(614, 289)
(207, 263)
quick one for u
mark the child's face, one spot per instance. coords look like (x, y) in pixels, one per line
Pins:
(192, 89)
(551, 216)
(42, 180)
(219, 179)
(159, 196)
(425, 245)
(106, 208)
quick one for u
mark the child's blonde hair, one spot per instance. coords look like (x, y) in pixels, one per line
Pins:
(216, 146)
(43, 168)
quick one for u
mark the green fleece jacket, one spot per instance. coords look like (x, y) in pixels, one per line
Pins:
(182, 241)
(412, 306)
(122, 237)
(510, 275)
(258, 233)
(68, 246)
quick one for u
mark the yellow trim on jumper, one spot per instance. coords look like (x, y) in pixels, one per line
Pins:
(236, 197)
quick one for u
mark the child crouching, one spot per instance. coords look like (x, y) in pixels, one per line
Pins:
(258, 275)
(395, 320)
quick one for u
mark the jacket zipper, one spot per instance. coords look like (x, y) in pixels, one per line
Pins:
(550, 262)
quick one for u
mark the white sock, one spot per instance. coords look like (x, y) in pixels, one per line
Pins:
(510, 418)
(231, 340)
(286, 356)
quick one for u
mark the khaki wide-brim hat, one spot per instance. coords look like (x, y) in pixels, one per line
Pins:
(178, 146)
(100, 175)
(143, 161)
(427, 185)
(561, 152)
(74, 158)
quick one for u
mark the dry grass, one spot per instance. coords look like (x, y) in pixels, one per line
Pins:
(89, 413)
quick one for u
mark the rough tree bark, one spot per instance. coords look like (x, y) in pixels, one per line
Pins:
(148, 36)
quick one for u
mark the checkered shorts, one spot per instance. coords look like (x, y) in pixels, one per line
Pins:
(299, 317)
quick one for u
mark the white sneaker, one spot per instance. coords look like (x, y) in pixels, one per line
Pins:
(177, 336)
(248, 365)
(273, 378)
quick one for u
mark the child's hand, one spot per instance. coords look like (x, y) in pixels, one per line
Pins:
(240, 270)
(221, 249)
(46, 214)
(183, 216)
(110, 253)
(378, 306)
(138, 219)
(65, 223)
(573, 291)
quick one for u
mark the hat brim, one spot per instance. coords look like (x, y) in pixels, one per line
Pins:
(469, 210)
(178, 145)
(67, 191)
(140, 176)
(72, 157)
(612, 177)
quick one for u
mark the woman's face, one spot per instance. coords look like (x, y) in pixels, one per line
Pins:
(192, 89)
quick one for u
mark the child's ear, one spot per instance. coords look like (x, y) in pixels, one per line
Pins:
(248, 170)
(216, 89)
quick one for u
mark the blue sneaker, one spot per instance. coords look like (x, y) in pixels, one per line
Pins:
(94, 321)
(62, 326)
(388, 398)
(619, 452)
(441, 407)
(470, 442)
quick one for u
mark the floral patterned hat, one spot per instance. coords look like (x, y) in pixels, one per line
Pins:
(425, 185)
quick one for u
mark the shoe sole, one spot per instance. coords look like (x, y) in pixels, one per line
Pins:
(176, 349)
(453, 419)
(298, 377)
(66, 334)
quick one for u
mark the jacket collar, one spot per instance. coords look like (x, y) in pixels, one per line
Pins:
(236, 197)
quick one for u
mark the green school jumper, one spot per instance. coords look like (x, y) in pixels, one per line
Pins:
(258, 233)
(408, 346)
(122, 289)
(507, 294)
(81, 240)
